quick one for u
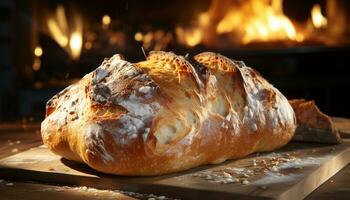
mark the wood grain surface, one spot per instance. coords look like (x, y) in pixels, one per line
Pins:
(312, 165)
(18, 138)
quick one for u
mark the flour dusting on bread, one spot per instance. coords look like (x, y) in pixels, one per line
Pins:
(166, 114)
(106, 88)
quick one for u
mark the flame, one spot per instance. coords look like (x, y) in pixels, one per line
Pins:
(191, 37)
(56, 33)
(318, 20)
(204, 19)
(230, 23)
(258, 21)
(69, 39)
(75, 44)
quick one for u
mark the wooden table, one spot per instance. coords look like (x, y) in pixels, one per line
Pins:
(16, 138)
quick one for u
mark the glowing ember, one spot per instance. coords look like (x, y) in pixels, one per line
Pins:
(138, 36)
(38, 51)
(36, 64)
(106, 21)
(75, 44)
(318, 20)
(88, 45)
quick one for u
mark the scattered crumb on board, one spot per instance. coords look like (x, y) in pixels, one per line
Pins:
(114, 194)
(269, 168)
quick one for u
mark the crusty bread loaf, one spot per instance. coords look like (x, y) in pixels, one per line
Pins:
(166, 114)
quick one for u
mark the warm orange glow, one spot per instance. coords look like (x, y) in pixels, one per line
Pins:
(38, 51)
(204, 19)
(225, 24)
(190, 37)
(88, 45)
(37, 64)
(69, 37)
(75, 44)
(154, 40)
(228, 23)
(258, 20)
(106, 21)
(56, 33)
(138, 36)
(318, 20)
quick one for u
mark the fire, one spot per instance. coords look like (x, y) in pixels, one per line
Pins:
(258, 20)
(75, 44)
(191, 37)
(318, 20)
(70, 39)
(56, 33)
(229, 23)
(244, 21)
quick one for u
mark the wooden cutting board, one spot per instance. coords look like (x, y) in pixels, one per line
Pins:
(307, 167)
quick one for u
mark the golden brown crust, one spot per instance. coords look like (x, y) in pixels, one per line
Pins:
(166, 114)
(308, 114)
(313, 125)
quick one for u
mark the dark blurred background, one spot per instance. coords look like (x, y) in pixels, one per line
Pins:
(301, 47)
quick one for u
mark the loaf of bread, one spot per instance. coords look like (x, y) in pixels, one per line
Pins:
(166, 114)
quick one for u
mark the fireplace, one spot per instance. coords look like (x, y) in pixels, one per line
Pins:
(300, 47)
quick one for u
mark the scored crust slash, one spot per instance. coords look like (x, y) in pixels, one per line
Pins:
(169, 113)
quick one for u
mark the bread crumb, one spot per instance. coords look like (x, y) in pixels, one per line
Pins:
(232, 180)
(208, 177)
(227, 175)
(274, 169)
(83, 188)
(254, 163)
(59, 189)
